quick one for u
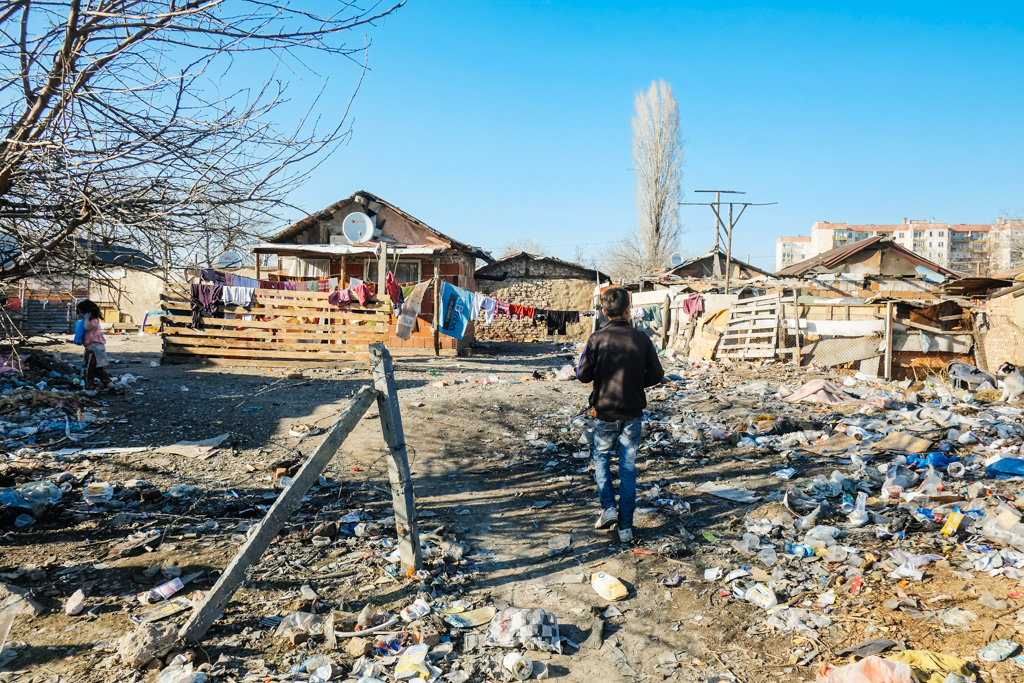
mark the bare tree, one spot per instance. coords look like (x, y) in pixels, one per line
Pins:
(147, 122)
(658, 162)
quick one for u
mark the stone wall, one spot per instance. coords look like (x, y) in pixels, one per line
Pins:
(553, 294)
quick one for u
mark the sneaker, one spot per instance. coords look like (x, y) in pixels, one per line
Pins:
(609, 517)
(626, 535)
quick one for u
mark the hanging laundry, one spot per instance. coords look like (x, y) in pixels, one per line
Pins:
(271, 284)
(203, 298)
(475, 305)
(361, 292)
(240, 281)
(323, 285)
(517, 311)
(229, 280)
(489, 307)
(313, 286)
(238, 296)
(502, 308)
(394, 291)
(455, 305)
(354, 282)
(692, 305)
(212, 276)
(557, 320)
(290, 286)
(339, 298)
(410, 309)
(539, 315)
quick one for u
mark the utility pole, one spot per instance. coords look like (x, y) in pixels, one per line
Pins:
(720, 225)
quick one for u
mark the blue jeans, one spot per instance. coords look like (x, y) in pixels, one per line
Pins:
(623, 436)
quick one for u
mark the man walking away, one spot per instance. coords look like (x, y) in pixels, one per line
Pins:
(621, 362)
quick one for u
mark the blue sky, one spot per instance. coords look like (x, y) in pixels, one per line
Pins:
(500, 120)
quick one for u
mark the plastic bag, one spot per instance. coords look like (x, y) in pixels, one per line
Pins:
(310, 623)
(565, 373)
(867, 670)
(529, 628)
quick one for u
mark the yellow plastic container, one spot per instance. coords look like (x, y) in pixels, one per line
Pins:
(608, 587)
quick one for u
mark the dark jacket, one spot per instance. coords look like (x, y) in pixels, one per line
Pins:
(621, 362)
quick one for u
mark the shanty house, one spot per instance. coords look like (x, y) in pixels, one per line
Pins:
(869, 267)
(541, 282)
(318, 246)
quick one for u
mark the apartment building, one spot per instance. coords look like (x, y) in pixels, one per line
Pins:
(966, 249)
(790, 250)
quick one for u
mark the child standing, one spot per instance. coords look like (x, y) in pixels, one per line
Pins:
(95, 363)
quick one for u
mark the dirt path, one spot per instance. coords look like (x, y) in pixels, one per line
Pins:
(495, 468)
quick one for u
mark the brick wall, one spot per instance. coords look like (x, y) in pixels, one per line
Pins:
(554, 294)
(1004, 339)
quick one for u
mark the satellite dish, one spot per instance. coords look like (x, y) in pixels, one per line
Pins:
(676, 259)
(359, 228)
(229, 259)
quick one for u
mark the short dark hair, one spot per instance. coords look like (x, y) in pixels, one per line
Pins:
(86, 306)
(614, 302)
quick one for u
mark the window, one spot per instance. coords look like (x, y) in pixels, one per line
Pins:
(942, 233)
(931, 234)
(930, 245)
(406, 272)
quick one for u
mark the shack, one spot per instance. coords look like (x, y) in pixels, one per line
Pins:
(357, 240)
(540, 281)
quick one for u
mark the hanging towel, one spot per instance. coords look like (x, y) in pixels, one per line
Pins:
(240, 281)
(475, 305)
(692, 305)
(517, 311)
(238, 296)
(339, 298)
(361, 292)
(229, 279)
(212, 276)
(203, 298)
(394, 291)
(489, 306)
(323, 285)
(557, 320)
(410, 310)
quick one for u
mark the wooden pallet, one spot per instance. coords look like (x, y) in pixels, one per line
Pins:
(752, 329)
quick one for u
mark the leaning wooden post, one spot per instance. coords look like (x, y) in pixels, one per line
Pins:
(398, 459)
(666, 318)
(283, 508)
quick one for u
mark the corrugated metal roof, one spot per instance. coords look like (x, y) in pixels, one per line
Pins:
(833, 257)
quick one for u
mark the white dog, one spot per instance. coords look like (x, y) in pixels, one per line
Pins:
(1013, 382)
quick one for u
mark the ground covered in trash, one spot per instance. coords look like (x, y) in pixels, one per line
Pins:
(745, 501)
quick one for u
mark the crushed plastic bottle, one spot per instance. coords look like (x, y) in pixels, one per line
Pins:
(859, 515)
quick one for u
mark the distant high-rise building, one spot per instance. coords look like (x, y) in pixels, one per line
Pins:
(966, 249)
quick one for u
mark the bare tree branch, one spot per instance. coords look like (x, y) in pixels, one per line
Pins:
(138, 121)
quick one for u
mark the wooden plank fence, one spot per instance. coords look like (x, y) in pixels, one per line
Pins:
(286, 329)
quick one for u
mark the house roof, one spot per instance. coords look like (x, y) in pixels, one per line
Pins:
(708, 254)
(117, 255)
(526, 256)
(833, 257)
(328, 214)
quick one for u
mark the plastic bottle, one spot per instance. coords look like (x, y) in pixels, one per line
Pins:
(859, 515)
(955, 470)
(608, 587)
(807, 521)
(98, 493)
(932, 483)
(768, 556)
(799, 549)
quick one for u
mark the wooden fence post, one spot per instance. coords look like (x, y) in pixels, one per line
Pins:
(398, 459)
(278, 514)
(437, 306)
